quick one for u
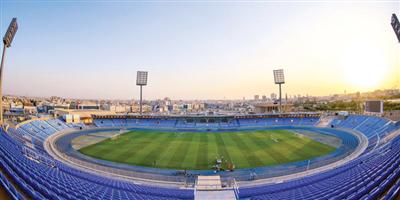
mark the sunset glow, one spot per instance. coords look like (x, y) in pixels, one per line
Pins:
(200, 50)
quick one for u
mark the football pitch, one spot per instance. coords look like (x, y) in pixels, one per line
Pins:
(200, 150)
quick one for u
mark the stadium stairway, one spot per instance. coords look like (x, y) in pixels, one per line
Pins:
(325, 121)
(215, 195)
(12, 189)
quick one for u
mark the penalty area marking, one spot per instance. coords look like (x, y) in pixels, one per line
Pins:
(93, 138)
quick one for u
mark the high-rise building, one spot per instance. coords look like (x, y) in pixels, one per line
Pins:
(256, 97)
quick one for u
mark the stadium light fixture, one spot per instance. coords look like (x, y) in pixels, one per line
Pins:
(279, 79)
(396, 26)
(141, 80)
(7, 40)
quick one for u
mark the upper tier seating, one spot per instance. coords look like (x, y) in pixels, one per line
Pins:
(181, 123)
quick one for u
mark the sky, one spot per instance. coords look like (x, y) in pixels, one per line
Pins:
(199, 49)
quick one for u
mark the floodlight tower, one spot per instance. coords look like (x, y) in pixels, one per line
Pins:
(279, 79)
(141, 80)
(396, 26)
(7, 40)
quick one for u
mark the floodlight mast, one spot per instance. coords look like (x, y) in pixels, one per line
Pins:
(141, 80)
(396, 26)
(140, 106)
(280, 97)
(7, 40)
(279, 79)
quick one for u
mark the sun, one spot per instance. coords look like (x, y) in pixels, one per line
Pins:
(363, 67)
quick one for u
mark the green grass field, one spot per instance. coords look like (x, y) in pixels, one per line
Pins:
(198, 150)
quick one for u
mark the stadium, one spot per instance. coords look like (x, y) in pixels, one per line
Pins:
(39, 156)
(141, 155)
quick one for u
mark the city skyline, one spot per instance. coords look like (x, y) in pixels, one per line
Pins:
(199, 50)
